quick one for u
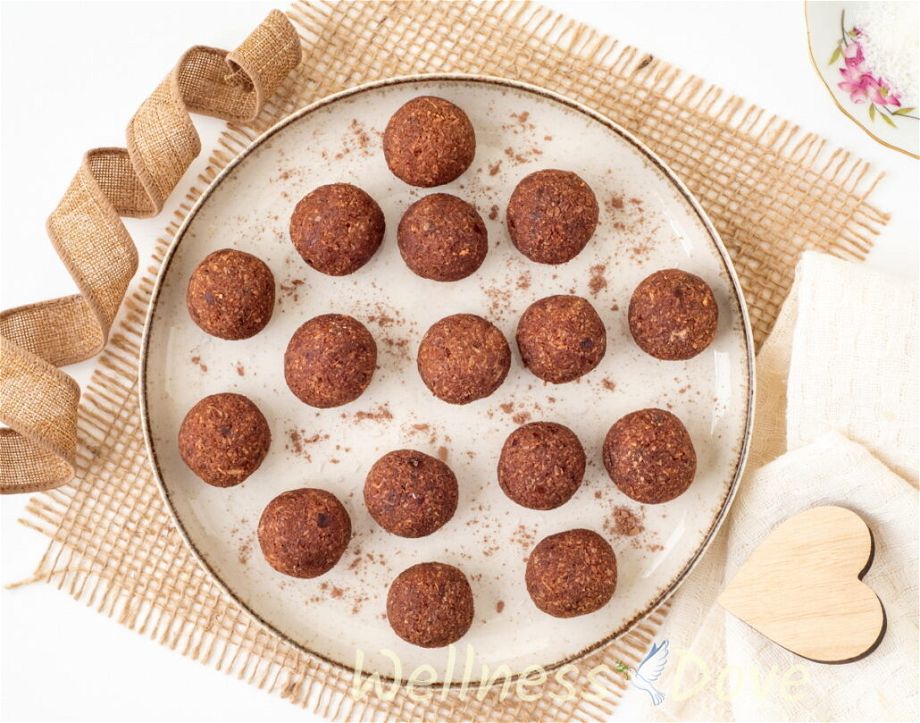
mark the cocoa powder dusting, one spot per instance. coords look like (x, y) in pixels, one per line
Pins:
(290, 290)
(381, 414)
(522, 119)
(598, 281)
(398, 346)
(524, 537)
(499, 301)
(298, 441)
(245, 552)
(385, 317)
(361, 137)
(424, 430)
(627, 522)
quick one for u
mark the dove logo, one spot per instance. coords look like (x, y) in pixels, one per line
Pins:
(649, 670)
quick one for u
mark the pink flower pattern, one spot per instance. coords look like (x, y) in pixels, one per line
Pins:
(861, 83)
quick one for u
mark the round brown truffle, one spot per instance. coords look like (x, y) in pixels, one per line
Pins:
(231, 294)
(428, 142)
(571, 573)
(561, 338)
(673, 315)
(463, 358)
(442, 237)
(224, 438)
(551, 216)
(430, 605)
(337, 228)
(649, 456)
(304, 532)
(330, 360)
(541, 465)
(410, 493)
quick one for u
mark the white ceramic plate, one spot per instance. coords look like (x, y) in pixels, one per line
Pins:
(648, 221)
(833, 36)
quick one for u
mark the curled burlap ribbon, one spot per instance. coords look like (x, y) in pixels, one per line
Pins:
(38, 402)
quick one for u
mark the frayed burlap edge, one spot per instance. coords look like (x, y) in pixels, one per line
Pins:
(771, 190)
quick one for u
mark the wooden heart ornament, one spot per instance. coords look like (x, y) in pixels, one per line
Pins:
(801, 587)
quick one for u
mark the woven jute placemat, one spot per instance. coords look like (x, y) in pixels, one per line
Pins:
(771, 190)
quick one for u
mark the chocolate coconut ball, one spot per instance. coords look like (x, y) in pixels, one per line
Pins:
(410, 493)
(541, 465)
(231, 294)
(551, 216)
(330, 360)
(571, 573)
(463, 358)
(428, 142)
(673, 315)
(442, 237)
(223, 439)
(430, 605)
(561, 338)
(649, 456)
(337, 228)
(304, 532)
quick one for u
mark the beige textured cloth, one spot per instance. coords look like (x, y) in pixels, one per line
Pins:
(842, 360)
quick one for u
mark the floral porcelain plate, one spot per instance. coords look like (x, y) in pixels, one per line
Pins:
(648, 221)
(839, 35)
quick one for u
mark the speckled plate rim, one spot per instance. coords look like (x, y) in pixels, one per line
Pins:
(714, 237)
(814, 64)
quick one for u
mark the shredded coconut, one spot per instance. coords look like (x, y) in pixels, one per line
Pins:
(890, 43)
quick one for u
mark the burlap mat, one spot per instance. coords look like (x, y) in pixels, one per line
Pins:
(771, 190)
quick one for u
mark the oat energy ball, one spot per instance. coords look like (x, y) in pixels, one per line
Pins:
(463, 358)
(649, 456)
(410, 494)
(561, 338)
(551, 216)
(428, 142)
(442, 237)
(337, 228)
(673, 315)
(430, 605)
(304, 532)
(571, 573)
(223, 439)
(231, 294)
(541, 465)
(330, 360)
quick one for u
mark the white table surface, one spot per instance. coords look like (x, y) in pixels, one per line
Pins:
(72, 75)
